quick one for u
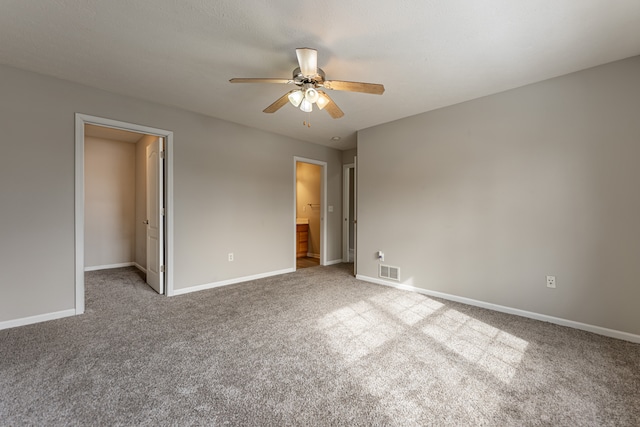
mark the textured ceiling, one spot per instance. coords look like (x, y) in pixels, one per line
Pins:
(428, 54)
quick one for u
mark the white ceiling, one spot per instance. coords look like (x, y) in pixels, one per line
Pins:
(428, 54)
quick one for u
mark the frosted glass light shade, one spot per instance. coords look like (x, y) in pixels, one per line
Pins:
(322, 101)
(311, 95)
(296, 97)
(306, 106)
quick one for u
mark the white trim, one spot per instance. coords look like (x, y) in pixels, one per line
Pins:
(503, 309)
(310, 255)
(122, 264)
(323, 207)
(108, 266)
(346, 219)
(355, 214)
(168, 215)
(80, 121)
(139, 267)
(79, 214)
(37, 319)
(230, 281)
(335, 261)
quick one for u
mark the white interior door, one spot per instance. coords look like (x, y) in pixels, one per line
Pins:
(155, 223)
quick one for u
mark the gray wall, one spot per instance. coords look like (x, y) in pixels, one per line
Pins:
(484, 199)
(233, 191)
(348, 155)
(110, 202)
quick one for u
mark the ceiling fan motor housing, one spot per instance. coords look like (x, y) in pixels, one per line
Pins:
(300, 79)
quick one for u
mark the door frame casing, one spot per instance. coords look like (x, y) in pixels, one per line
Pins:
(355, 215)
(80, 121)
(323, 207)
(345, 210)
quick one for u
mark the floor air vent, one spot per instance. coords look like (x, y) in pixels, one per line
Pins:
(388, 272)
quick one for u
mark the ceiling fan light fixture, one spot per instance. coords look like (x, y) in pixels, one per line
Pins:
(311, 95)
(307, 78)
(296, 97)
(322, 101)
(306, 106)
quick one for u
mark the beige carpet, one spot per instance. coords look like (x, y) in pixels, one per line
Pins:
(315, 347)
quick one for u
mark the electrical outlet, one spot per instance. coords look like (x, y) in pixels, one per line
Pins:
(230, 256)
(551, 281)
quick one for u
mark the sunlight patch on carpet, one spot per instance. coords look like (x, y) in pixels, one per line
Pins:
(409, 308)
(354, 331)
(491, 349)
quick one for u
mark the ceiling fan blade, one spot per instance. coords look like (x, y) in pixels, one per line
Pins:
(331, 107)
(308, 61)
(278, 104)
(260, 80)
(373, 88)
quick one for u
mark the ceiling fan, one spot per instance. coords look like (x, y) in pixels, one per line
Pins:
(309, 80)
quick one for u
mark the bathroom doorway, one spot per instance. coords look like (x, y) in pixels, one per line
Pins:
(309, 212)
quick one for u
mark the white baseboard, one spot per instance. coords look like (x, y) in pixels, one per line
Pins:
(348, 257)
(37, 319)
(108, 266)
(230, 281)
(334, 261)
(139, 267)
(503, 309)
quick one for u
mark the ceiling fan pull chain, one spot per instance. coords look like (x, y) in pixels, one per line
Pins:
(307, 122)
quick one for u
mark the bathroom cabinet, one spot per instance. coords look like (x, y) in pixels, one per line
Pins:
(302, 240)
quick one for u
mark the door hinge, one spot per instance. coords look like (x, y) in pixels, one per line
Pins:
(163, 214)
(162, 269)
(162, 155)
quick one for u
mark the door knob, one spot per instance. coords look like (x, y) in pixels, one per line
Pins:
(146, 221)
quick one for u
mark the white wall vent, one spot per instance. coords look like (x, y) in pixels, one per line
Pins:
(388, 272)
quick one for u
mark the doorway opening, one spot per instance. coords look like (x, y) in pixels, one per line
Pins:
(309, 212)
(123, 201)
(349, 214)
